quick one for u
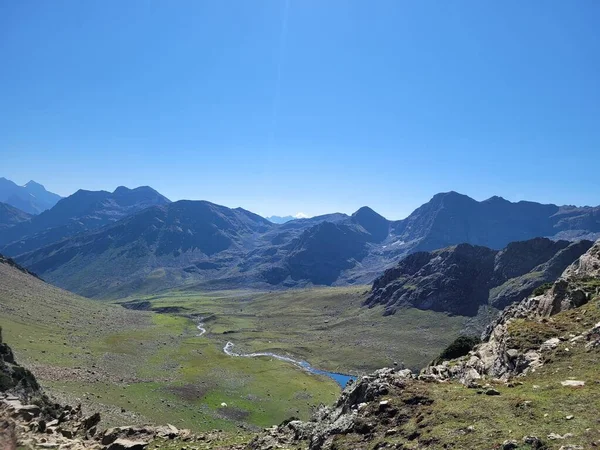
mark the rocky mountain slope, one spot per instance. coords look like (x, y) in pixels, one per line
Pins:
(169, 243)
(10, 216)
(531, 385)
(334, 249)
(82, 211)
(504, 354)
(33, 198)
(462, 278)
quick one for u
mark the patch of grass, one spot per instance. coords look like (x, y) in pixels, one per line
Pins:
(325, 326)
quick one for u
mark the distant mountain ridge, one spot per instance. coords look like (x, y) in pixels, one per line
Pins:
(82, 211)
(203, 244)
(280, 219)
(10, 216)
(284, 219)
(32, 198)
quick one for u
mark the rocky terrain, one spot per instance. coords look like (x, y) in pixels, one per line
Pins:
(516, 392)
(462, 278)
(211, 246)
(503, 356)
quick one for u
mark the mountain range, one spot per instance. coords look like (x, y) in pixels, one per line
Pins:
(82, 211)
(32, 198)
(107, 244)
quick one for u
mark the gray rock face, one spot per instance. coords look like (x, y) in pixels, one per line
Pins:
(462, 278)
(16, 381)
(495, 357)
(351, 413)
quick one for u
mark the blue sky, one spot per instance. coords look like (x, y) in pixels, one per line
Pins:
(306, 105)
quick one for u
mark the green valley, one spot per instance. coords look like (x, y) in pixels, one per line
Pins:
(152, 367)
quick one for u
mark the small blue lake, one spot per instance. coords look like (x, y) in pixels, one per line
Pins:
(339, 378)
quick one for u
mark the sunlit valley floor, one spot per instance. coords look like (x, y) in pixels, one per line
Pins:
(137, 366)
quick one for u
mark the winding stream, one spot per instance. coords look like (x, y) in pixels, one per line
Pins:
(339, 378)
(201, 329)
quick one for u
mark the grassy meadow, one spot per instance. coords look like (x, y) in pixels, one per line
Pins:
(148, 367)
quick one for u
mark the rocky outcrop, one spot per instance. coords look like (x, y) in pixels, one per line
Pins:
(499, 356)
(15, 380)
(12, 263)
(360, 409)
(28, 416)
(461, 279)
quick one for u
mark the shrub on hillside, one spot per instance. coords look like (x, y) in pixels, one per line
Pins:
(540, 290)
(461, 346)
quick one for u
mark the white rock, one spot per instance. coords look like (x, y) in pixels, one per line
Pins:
(573, 383)
(550, 344)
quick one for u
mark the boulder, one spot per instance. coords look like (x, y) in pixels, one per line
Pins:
(126, 444)
(573, 383)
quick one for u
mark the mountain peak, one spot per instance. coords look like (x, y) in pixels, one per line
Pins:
(377, 225)
(33, 198)
(451, 195)
(365, 210)
(141, 192)
(34, 184)
(121, 190)
(496, 199)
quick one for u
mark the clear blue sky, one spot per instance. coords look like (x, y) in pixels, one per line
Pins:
(310, 105)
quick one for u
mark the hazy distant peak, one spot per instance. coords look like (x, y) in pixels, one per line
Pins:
(32, 198)
(496, 199)
(140, 193)
(284, 219)
(35, 184)
(125, 189)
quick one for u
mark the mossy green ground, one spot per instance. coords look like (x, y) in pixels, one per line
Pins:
(328, 327)
(140, 366)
